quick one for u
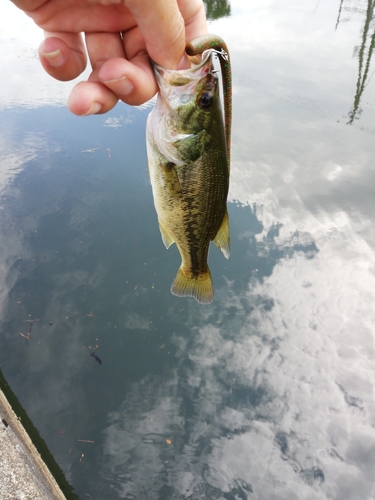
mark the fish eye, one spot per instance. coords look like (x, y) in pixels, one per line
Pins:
(205, 100)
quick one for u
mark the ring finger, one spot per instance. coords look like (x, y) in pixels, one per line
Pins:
(93, 96)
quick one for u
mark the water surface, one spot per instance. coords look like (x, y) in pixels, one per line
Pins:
(267, 393)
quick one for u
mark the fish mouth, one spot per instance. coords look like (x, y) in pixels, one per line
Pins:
(181, 77)
(176, 88)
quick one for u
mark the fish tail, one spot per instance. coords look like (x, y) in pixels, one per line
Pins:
(199, 287)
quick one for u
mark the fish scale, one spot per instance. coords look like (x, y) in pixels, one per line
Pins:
(187, 147)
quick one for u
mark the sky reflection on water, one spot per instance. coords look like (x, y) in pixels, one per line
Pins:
(268, 393)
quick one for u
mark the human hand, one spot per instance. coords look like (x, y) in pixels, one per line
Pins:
(120, 38)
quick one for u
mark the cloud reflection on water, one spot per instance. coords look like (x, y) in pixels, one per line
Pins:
(273, 395)
(272, 399)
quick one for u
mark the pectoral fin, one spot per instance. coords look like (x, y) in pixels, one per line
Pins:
(193, 146)
(166, 237)
(222, 238)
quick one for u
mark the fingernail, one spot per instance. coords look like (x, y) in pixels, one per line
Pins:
(55, 58)
(95, 108)
(123, 85)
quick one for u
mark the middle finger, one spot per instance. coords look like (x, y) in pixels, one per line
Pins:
(94, 97)
(101, 47)
(131, 79)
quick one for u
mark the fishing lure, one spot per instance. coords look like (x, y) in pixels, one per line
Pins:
(216, 43)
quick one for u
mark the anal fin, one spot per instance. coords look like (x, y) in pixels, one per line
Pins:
(165, 236)
(222, 238)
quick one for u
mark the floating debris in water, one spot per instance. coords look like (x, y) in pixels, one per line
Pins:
(27, 336)
(92, 354)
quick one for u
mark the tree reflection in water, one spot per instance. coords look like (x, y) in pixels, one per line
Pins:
(217, 8)
(364, 52)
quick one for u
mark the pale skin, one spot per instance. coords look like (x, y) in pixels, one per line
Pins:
(120, 38)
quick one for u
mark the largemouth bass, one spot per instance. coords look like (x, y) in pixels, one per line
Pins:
(188, 148)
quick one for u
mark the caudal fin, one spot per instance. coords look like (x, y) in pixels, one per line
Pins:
(199, 287)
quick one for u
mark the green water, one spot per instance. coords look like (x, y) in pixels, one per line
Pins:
(267, 393)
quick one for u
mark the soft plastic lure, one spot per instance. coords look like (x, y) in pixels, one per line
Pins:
(215, 42)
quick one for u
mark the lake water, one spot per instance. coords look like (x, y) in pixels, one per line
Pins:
(267, 393)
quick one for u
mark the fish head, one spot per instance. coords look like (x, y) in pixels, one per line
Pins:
(186, 111)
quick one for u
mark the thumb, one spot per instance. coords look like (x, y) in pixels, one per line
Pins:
(163, 29)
